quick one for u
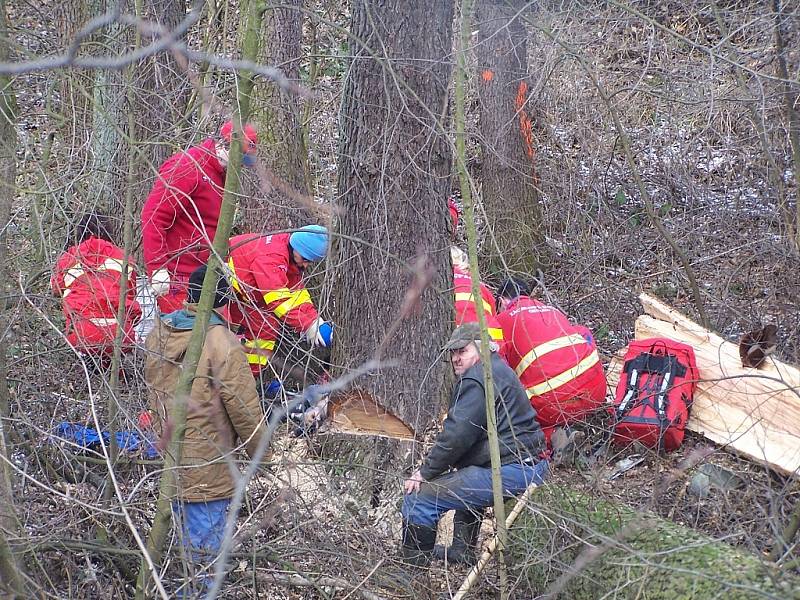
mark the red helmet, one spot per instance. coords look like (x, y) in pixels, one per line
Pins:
(250, 134)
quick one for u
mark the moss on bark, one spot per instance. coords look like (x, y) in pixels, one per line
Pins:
(657, 560)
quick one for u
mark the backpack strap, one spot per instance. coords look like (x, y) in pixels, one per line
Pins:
(630, 392)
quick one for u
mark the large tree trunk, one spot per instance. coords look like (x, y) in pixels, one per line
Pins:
(394, 164)
(162, 92)
(75, 85)
(507, 177)
(157, 91)
(651, 559)
(282, 148)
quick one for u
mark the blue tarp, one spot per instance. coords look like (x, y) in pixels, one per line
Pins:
(87, 437)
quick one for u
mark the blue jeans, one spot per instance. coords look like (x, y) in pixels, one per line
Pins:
(202, 526)
(470, 488)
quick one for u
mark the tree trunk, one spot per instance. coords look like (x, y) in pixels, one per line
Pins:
(75, 84)
(654, 558)
(790, 94)
(394, 165)
(162, 92)
(281, 145)
(507, 175)
(9, 525)
(157, 92)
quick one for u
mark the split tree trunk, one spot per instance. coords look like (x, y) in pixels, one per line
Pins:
(394, 165)
(656, 560)
(507, 175)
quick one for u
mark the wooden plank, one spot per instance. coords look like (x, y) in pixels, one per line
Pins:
(728, 352)
(755, 412)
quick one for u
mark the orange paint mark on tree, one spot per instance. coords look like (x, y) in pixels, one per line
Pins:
(487, 75)
(525, 125)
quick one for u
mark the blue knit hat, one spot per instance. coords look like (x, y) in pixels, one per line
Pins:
(310, 242)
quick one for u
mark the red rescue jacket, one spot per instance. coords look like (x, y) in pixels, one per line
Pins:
(264, 275)
(180, 216)
(556, 361)
(465, 307)
(87, 277)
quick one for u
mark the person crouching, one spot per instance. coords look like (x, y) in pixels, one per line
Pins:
(87, 277)
(456, 473)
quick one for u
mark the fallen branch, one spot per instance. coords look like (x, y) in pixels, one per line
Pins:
(472, 576)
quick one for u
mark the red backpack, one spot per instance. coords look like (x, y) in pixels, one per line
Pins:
(654, 393)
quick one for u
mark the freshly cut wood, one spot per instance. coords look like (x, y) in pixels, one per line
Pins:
(755, 412)
(356, 412)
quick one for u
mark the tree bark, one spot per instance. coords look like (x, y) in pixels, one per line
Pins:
(157, 92)
(9, 525)
(282, 147)
(162, 91)
(74, 85)
(394, 164)
(653, 558)
(393, 178)
(507, 175)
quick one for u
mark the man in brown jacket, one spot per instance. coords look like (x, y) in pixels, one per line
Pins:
(224, 414)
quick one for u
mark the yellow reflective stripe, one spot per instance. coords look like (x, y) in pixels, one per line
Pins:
(468, 297)
(72, 274)
(275, 295)
(260, 344)
(234, 281)
(549, 346)
(496, 334)
(258, 358)
(565, 377)
(297, 298)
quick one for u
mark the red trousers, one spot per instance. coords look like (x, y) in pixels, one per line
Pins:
(571, 401)
(96, 336)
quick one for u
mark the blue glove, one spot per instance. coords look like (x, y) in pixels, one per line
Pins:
(326, 334)
(273, 389)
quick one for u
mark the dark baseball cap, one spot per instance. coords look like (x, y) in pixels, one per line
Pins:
(463, 335)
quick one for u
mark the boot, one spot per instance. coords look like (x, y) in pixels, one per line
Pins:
(418, 542)
(466, 526)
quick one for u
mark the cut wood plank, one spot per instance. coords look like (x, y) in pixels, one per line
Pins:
(356, 412)
(755, 412)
